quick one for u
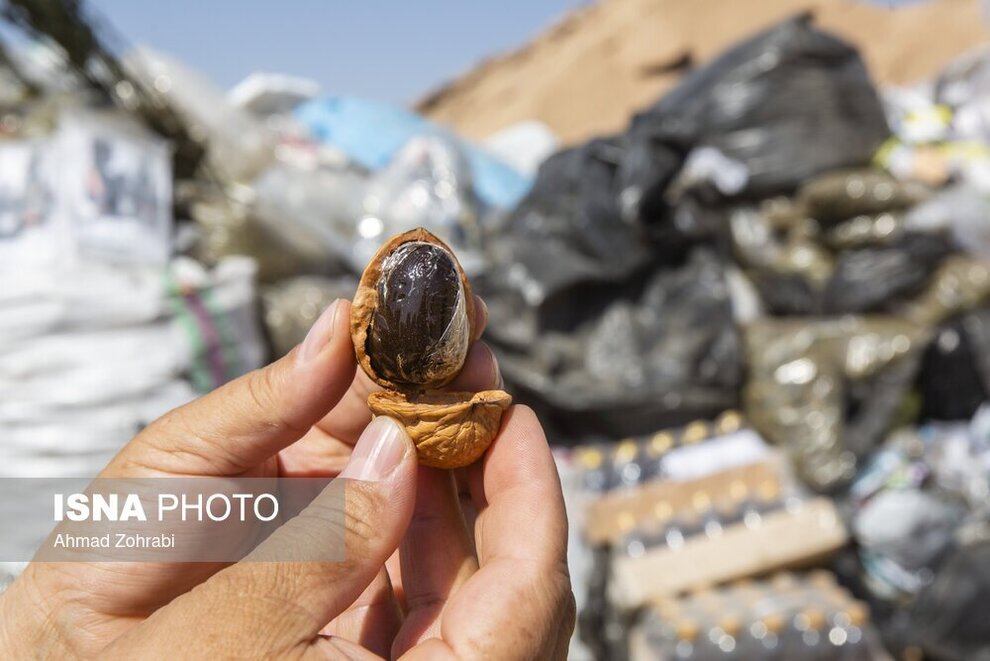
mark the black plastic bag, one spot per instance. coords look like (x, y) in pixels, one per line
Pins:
(878, 278)
(662, 352)
(789, 103)
(955, 371)
(569, 229)
(607, 315)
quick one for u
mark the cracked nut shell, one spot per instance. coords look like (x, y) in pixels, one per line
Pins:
(450, 430)
(412, 321)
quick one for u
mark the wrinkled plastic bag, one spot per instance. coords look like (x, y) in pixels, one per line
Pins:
(909, 527)
(867, 230)
(661, 353)
(293, 221)
(964, 86)
(838, 196)
(568, 231)
(787, 104)
(239, 144)
(524, 145)
(955, 372)
(800, 395)
(878, 278)
(428, 184)
(769, 108)
(117, 351)
(964, 211)
(790, 272)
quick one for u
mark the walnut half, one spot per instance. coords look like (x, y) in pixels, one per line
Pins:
(450, 429)
(412, 322)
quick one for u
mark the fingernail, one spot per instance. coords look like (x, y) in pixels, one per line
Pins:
(378, 452)
(320, 334)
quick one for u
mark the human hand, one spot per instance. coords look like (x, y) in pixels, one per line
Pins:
(276, 422)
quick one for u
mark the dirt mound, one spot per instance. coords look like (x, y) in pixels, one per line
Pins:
(586, 75)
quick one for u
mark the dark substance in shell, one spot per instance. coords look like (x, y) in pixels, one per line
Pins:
(419, 329)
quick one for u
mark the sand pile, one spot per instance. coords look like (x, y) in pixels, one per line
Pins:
(587, 74)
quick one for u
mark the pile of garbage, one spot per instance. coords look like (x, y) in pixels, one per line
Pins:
(776, 236)
(755, 323)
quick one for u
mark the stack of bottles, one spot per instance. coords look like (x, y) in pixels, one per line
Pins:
(636, 461)
(787, 616)
(691, 507)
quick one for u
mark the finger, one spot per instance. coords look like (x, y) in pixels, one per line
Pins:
(436, 556)
(394, 568)
(247, 421)
(523, 493)
(522, 590)
(316, 454)
(279, 607)
(372, 621)
(480, 371)
(480, 317)
(431, 650)
(336, 647)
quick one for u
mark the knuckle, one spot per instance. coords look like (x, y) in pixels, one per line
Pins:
(264, 389)
(261, 387)
(362, 514)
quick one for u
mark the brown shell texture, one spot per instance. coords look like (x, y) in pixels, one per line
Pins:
(450, 429)
(366, 299)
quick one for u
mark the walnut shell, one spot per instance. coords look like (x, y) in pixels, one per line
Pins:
(365, 306)
(450, 429)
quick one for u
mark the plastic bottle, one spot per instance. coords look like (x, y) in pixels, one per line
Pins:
(626, 522)
(729, 641)
(728, 423)
(686, 640)
(768, 632)
(768, 497)
(695, 433)
(653, 455)
(681, 529)
(595, 476)
(663, 517)
(710, 524)
(814, 635)
(861, 639)
(626, 471)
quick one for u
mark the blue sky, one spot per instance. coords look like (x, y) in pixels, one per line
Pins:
(393, 50)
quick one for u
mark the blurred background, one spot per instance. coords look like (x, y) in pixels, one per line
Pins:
(736, 255)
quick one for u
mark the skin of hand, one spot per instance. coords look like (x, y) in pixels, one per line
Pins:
(467, 564)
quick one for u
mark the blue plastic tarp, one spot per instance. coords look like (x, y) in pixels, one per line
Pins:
(371, 132)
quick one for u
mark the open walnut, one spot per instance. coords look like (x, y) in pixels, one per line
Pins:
(412, 322)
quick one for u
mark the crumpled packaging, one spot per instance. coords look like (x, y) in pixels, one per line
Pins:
(844, 194)
(799, 381)
(623, 363)
(829, 390)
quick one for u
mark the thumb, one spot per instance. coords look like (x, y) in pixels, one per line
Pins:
(279, 606)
